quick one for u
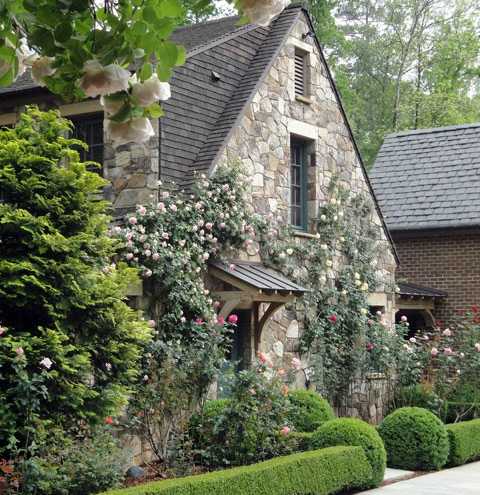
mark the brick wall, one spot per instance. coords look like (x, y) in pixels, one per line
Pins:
(449, 262)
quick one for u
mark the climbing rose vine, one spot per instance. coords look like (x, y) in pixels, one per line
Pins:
(119, 51)
(339, 265)
(172, 241)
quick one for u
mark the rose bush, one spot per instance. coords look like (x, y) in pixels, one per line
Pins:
(171, 242)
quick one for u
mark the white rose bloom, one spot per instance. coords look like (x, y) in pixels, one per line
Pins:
(41, 68)
(261, 12)
(135, 130)
(151, 91)
(98, 80)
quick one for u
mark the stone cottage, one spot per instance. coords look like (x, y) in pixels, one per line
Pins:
(427, 184)
(261, 96)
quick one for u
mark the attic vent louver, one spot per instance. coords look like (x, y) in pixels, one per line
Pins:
(301, 76)
(215, 76)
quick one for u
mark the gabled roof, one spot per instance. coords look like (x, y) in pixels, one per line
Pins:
(430, 178)
(210, 91)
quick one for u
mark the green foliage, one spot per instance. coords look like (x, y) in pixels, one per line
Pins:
(248, 427)
(202, 425)
(464, 442)
(354, 432)
(339, 334)
(401, 65)
(309, 410)
(298, 441)
(170, 242)
(81, 466)
(321, 472)
(69, 344)
(414, 439)
(419, 395)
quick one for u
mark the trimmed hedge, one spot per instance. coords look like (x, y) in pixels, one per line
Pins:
(355, 432)
(309, 410)
(320, 472)
(464, 442)
(414, 439)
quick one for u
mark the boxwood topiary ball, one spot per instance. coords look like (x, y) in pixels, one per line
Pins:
(309, 410)
(354, 432)
(414, 439)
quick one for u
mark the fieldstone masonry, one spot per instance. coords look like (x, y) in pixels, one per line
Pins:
(261, 141)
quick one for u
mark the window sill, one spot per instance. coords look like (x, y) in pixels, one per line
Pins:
(307, 235)
(304, 99)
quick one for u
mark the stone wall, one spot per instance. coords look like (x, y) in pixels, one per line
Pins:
(261, 141)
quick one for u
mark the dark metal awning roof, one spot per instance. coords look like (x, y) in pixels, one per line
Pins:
(258, 276)
(413, 290)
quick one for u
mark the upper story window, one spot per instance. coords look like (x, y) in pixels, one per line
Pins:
(89, 129)
(302, 74)
(298, 183)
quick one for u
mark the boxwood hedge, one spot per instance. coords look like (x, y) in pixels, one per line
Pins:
(464, 442)
(320, 472)
(309, 410)
(414, 439)
(353, 431)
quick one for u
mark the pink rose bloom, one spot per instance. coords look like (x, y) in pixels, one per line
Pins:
(447, 332)
(404, 318)
(222, 225)
(173, 207)
(220, 320)
(370, 346)
(296, 363)
(46, 363)
(412, 340)
(141, 210)
(477, 347)
(147, 273)
(217, 304)
(129, 256)
(448, 351)
(2, 330)
(129, 236)
(233, 319)
(155, 256)
(209, 225)
(161, 206)
(132, 221)
(199, 321)
(165, 235)
(152, 323)
(148, 253)
(285, 431)
(19, 351)
(262, 357)
(434, 351)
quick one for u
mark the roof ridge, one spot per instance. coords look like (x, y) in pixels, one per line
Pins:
(433, 130)
(211, 21)
(222, 39)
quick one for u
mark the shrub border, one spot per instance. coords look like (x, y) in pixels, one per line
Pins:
(464, 441)
(322, 472)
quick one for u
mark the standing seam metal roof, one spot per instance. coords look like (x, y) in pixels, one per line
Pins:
(259, 276)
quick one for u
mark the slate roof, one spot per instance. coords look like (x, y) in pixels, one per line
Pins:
(413, 290)
(260, 277)
(202, 111)
(429, 178)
